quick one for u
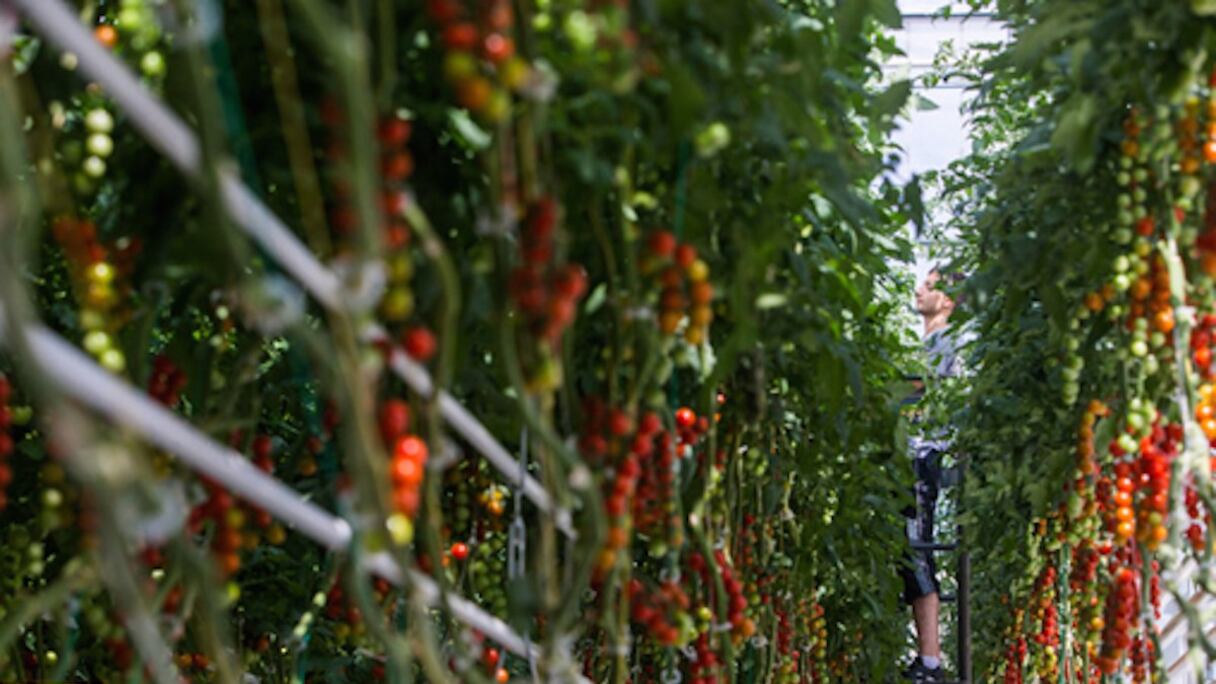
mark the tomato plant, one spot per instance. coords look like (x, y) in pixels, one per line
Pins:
(650, 247)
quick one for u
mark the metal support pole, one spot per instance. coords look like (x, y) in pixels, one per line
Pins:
(964, 615)
(963, 606)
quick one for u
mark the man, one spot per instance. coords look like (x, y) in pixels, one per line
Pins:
(919, 569)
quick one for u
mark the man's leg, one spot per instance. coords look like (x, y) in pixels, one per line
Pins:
(927, 605)
(925, 612)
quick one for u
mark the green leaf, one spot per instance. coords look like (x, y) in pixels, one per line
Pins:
(472, 135)
(893, 99)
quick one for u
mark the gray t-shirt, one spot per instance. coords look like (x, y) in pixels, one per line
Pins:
(944, 361)
(941, 348)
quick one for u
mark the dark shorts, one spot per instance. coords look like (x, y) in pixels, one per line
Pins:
(918, 568)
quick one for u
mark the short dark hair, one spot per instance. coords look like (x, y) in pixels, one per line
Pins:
(944, 271)
(953, 277)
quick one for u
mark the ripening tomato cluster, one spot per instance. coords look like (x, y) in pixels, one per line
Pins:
(617, 504)
(1082, 589)
(662, 610)
(1142, 657)
(166, 382)
(814, 617)
(480, 63)
(1152, 470)
(1151, 317)
(396, 166)
(406, 468)
(134, 31)
(192, 663)
(1122, 608)
(786, 653)
(89, 152)
(705, 669)
(491, 660)
(742, 626)
(97, 282)
(1187, 131)
(1015, 654)
(1047, 616)
(339, 608)
(227, 521)
(547, 293)
(686, 292)
(605, 432)
(1202, 336)
(1133, 179)
(654, 500)
(488, 570)
(1201, 519)
(6, 439)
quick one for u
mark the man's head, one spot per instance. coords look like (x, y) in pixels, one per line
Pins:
(931, 301)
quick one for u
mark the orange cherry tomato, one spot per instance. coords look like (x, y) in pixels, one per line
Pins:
(106, 35)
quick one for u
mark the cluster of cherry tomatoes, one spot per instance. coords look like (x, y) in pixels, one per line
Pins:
(87, 146)
(546, 292)
(1151, 471)
(480, 60)
(1046, 613)
(662, 610)
(704, 669)
(1082, 591)
(407, 467)
(396, 166)
(1122, 609)
(134, 31)
(166, 382)
(227, 521)
(488, 571)
(1202, 336)
(787, 654)
(654, 502)
(814, 618)
(1141, 658)
(492, 662)
(742, 626)
(339, 608)
(1015, 655)
(605, 432)
(1201, 519)
(686, 293)
(98, 287)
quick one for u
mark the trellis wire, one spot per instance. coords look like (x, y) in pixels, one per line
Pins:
(165, 131)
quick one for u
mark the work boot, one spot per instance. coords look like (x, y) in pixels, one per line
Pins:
(919, 673)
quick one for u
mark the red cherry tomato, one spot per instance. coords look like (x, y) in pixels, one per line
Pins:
(420, 343)
(412, 448)
(685, 417)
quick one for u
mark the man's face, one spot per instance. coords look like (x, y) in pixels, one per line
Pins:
(929, 300)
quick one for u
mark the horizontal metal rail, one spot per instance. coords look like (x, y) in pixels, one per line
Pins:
(934, 546)
(169, 134)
